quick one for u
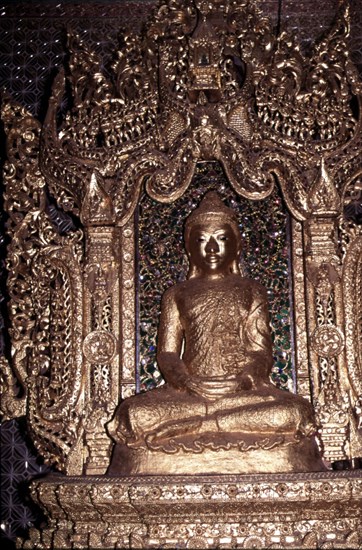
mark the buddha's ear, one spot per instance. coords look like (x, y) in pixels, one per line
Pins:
(193, 272)
(235, 268)
(186, 242)
(239, 249)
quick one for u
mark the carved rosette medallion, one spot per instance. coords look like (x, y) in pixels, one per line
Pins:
(327, 341)
(99, 347)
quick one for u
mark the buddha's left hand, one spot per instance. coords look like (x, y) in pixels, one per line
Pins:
(251, 379)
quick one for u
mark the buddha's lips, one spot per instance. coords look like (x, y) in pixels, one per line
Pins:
(213, 258)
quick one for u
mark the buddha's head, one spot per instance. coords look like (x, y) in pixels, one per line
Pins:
(212, 239)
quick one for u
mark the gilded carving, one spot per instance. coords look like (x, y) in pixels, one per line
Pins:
(327, 341)
(280, 511)
(335, 403)
(203, 81)
(323, 197)
(99, 346)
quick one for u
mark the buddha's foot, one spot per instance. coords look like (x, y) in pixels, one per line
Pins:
(183, 427)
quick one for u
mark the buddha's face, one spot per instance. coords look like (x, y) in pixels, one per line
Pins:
(213, 248)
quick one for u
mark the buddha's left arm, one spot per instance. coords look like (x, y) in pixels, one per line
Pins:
(257, 339)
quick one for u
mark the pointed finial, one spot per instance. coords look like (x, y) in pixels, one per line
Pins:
(323, 198)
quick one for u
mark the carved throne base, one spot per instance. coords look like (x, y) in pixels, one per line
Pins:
(304, 510)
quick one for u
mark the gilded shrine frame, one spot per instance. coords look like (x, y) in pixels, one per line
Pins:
(203, 82)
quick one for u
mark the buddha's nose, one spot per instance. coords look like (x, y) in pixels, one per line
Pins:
(212, 245)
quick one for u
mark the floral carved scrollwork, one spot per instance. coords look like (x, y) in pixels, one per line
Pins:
(352, 281)
(336, 335)
(45, 290)
(309, 101)
(327, 342)
(200, 85)
(55, 366)
(174, 511)
(100, 324)
(24, 200)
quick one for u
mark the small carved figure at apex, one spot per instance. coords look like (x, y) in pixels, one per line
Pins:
(218, 411)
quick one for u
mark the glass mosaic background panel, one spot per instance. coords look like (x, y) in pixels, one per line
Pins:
(162, 262)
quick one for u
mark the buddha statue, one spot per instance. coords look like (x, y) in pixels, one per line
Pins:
(218, 411)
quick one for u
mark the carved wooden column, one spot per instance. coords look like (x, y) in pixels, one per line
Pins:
(303, 382)
(101, 325)
(326, 320)
(127, 311)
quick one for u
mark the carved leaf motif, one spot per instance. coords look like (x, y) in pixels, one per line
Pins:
(42, 336)
(323, 197)
(55, 365)
(11, 405)
(301, 99)
(136, 541)
(310, 540)
(88, 83)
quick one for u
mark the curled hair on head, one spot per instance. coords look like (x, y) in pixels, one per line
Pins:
(212, 208)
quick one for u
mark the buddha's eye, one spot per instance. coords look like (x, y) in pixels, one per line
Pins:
(201, 239)
(223, 238)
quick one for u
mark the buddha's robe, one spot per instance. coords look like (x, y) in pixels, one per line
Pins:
(221, 330)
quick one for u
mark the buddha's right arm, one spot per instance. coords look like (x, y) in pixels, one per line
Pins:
(169, 342)
(173, 369)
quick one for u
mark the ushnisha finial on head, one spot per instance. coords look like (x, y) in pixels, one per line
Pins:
(212, 208)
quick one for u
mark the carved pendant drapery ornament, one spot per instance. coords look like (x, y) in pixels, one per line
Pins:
(204, 81)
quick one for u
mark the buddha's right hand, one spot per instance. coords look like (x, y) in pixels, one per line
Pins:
(247, 382)
(178, 380)
(213, 387)
(173, 370)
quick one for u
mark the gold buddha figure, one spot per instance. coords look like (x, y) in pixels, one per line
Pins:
(218, 411)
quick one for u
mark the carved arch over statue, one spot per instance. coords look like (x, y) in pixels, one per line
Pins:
(203, 82)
